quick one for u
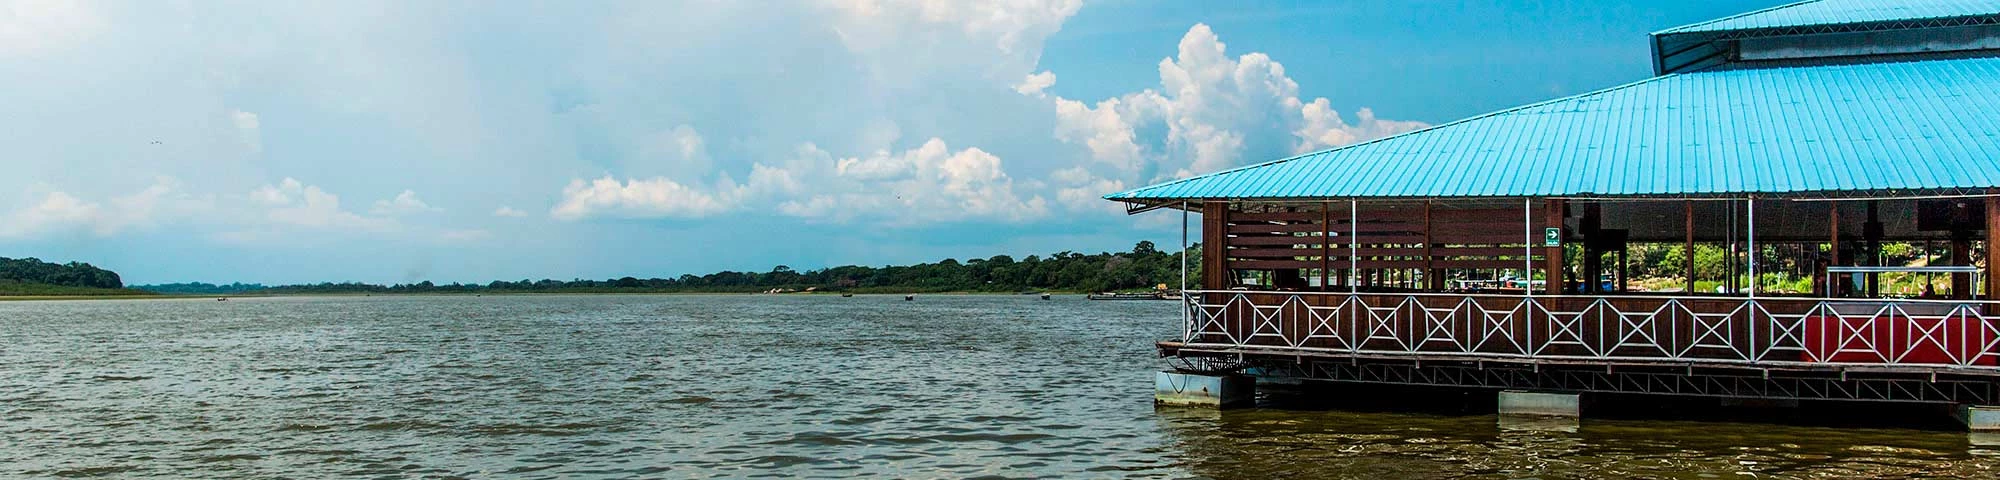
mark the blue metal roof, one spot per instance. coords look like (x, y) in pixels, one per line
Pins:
(1927, 125)
(1815, 13)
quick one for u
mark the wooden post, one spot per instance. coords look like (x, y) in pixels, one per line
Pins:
(1325, 246)
(1687, 252)
(1591, 225)
(1432, 280)
(1961, 248)
(1553, 255)
(1214, 245)
(1833, 282)
(1992, 251)
(1872, 230)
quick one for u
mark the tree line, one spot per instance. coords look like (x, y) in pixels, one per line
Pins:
(72, 274)
(1143, 267)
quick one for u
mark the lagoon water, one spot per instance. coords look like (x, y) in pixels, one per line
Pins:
(758, 386)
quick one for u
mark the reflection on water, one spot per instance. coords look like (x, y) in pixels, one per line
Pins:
(758, 386)
(1333, 444)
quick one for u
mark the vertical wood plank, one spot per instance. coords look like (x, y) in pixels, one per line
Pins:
(1553, 216)
(1214, 245)
(1688, 250)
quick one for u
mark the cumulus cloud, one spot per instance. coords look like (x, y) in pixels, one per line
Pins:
(1036, 83)
(248, 130)
(656, 197)
(1009, 25)
(928, 183)
(1217, 111)
(58, 212)
(405, 203)
(680, 147)
(291, 202)
(35, 26)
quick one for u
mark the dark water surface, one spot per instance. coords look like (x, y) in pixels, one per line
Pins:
(758, 386)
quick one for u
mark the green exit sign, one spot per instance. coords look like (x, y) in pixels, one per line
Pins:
(1552, 237)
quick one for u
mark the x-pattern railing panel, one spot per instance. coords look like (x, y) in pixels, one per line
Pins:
(1632, 328)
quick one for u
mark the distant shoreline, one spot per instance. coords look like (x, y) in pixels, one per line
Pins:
(191, 296)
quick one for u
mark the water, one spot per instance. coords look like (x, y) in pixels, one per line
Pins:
(758, 386)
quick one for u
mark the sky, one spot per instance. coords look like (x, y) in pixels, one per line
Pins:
(396, 141)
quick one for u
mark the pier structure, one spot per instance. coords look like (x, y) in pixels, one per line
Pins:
(1777, 161)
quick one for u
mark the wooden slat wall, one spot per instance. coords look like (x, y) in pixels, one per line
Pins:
(1275, 240)
(1398, 237)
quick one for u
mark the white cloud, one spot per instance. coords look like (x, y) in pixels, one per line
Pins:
(656, 197)
(929, 183)
(1079, 190)
(1218, 112)
(1035, 83)
(291, 202)
(1008, 25)
(34, 26)
(405, 203)
(248, 129)
(58, 212)
(509, 212)
(680, 147)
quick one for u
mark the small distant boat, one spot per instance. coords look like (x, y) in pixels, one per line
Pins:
(1127, 296)
(847, 295)
(223, 299)
(909, 298)
(1045, 296)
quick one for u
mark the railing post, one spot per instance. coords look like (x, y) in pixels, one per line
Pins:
(1353, 246)
(1186, 316)
(1750, 209)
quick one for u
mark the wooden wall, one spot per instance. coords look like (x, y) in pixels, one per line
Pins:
(1405, 236)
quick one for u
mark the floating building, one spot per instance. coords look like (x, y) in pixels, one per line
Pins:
(1793, 148)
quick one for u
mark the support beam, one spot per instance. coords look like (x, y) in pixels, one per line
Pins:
(1354, 244)
(1214, 245)
(1553, 218)
(1833, 282)
(1325, 246)
(1591, 226)
(1961, 247)
(1518, 402)
(1688, 251)
(1750, 238)
(1979, 418)
(1528, 247)
(1872, 231)
(1992, 252)
(1210, 391)
(1433, 279)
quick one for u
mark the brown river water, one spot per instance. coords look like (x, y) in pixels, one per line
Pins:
(761, 386)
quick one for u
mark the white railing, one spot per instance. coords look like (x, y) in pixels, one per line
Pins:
(1727, 330)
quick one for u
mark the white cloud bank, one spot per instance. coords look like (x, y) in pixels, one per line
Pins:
(929, 183)
(58, 212)
(1218, 112)
(405, 203)
(267, 213)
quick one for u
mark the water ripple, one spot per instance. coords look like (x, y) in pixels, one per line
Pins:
(756, 387)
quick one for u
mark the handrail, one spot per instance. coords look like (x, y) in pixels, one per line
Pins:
(1893, 269)
(1680, 329)
(1611, 297)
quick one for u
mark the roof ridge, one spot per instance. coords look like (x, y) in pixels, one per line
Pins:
(1733, 17)
(1408, 133)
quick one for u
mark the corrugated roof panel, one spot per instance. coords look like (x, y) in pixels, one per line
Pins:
(1916, 125)
(1839, 12)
